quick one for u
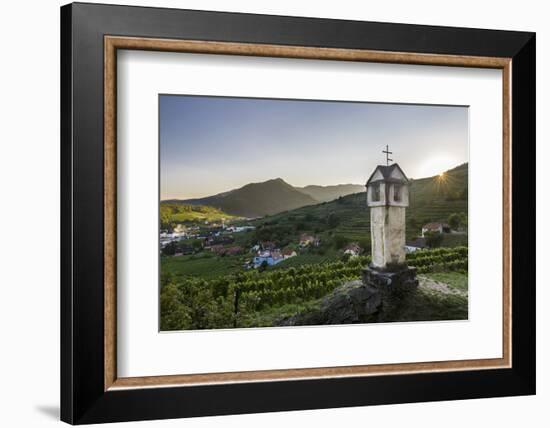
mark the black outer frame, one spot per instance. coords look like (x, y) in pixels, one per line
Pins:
(83, 399)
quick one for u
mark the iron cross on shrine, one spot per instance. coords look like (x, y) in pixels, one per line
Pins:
(388, 153)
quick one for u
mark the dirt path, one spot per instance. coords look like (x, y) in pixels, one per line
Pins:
(440, 287)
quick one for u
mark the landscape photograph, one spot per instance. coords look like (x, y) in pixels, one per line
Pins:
(286, 213)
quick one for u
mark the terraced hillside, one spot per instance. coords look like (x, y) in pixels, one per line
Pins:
(432, 199)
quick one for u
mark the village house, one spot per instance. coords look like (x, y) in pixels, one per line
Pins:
(307, 240)
(180, 228)
(177, 234)
(271, 258)
(219, 240)
(288, 253)
(418, 243)
(237, 229)
(214, 231)
(268, 245)
(232, 251)
(352, 249)
(436, 228)
(220, 250)
(276, 254)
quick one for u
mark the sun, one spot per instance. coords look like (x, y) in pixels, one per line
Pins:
(442, 180)
(433, 165)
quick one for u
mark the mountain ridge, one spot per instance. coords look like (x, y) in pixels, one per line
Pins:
(276, 196)
(330, 192)
(255, 199)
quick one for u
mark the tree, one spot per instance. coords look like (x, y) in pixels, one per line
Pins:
(310, 217)
(464, 220)
(301, 226)
(174, 315)
(340, 241)
(413, 222)
(434, 239)
(365, 245)
(333, 220)
(169, 249)
(454, 221)
(263, 266)
(197, 244)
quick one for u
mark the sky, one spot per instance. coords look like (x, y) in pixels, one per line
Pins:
(210, 145)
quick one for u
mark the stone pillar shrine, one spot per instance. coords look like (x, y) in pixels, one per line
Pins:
(388, 199)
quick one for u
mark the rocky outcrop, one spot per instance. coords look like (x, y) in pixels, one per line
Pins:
(395, 285)
(353, 302)
(401, 279)
(379, 296)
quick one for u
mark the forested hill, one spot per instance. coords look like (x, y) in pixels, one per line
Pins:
(256, 199)
(432, 199)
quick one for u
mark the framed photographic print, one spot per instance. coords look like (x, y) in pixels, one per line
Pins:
(266, 213)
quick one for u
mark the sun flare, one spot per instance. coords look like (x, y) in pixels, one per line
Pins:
(436, 166)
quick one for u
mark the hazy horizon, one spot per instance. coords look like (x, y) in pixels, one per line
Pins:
(298, 187)
(211, 145)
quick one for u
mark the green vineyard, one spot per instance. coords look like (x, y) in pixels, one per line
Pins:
(193, 303)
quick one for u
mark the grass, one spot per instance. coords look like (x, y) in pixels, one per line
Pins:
(456, 280)
(244, 239)
(269, 316)
(432, 306)
(454, 240)
(183, 213)
(206, 266)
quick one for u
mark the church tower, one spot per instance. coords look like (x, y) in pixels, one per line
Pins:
(387, 198)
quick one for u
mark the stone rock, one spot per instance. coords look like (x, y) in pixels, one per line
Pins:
(379, 296)
(395, 285)
(400, 278)
(351, 303)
